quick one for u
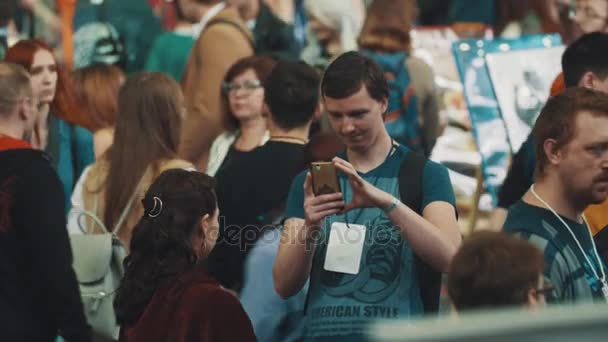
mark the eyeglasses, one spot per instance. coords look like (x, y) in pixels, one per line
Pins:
(545, 291)
(247, 87)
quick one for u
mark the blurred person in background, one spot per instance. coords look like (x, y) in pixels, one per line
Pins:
(273, 37)
(413, 113)
(57, 129)
(591, 15)
(40, 19)
(151, 110)
(39, 297)
(283, 9)
(495, 270)
(96, 90)
(223, 39)
(243, 93)
(289, 121)
(132, 21)
(333, 28)
(170, 51)
(166, 293)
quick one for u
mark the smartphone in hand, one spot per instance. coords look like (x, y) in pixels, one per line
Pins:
(324, 178)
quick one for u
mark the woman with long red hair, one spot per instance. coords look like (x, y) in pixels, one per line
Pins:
(56, 131)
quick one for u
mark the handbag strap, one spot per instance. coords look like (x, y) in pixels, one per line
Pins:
(127, 209)
(121, 219)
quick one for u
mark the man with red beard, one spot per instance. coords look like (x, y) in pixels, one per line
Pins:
(571, 145)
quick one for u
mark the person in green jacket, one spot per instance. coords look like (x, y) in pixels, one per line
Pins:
(170, 51)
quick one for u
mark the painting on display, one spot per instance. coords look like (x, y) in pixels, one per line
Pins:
(522, 81)
(489, 129)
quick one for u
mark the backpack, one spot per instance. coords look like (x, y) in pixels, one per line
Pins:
(401, 118)
(411, 174)
(98, 264)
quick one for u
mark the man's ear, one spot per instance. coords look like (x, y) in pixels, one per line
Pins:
(205, 223)
(318, 112)
(384, 105)
(588, 80)
(26, 114)
(552, 151)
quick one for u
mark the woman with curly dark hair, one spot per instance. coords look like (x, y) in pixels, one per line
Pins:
(166, 294)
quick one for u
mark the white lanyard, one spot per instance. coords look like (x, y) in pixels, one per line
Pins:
(603, 278)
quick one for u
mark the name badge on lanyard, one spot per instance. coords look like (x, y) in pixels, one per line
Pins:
(345, 248)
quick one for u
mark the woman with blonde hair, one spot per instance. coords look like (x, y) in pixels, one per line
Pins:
(146, 138)
(385, 37)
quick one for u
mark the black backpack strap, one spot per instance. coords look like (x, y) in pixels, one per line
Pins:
(410, 180)
(233, 24)
(410, 190)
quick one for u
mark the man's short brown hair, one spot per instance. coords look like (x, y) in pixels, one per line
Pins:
(14, 84)
(557, 119)
(493, 270)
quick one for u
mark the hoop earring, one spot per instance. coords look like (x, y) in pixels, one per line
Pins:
(157, 209)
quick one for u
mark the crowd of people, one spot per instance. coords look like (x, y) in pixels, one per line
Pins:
(164, 189)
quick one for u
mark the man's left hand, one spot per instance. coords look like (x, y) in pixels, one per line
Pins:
(365, 195)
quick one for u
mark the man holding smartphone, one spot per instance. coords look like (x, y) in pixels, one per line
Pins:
(359, 245)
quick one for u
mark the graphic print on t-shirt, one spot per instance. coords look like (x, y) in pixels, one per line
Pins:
(379, 275)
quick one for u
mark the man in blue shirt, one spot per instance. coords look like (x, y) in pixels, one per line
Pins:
(365, 271)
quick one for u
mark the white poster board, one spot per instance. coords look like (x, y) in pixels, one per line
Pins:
(522, 81)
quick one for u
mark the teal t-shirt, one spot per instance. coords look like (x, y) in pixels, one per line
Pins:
(385, 287)
(566, 267)
(170, 54)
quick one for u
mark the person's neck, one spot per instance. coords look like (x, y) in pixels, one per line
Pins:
(43, 113)
(250, 133)
(298, 135)
(552, 191)
(249, 10)
(203, 9)
(369, 158)
(11, 129)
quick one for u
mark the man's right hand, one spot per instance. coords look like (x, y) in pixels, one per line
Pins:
(316, 208)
